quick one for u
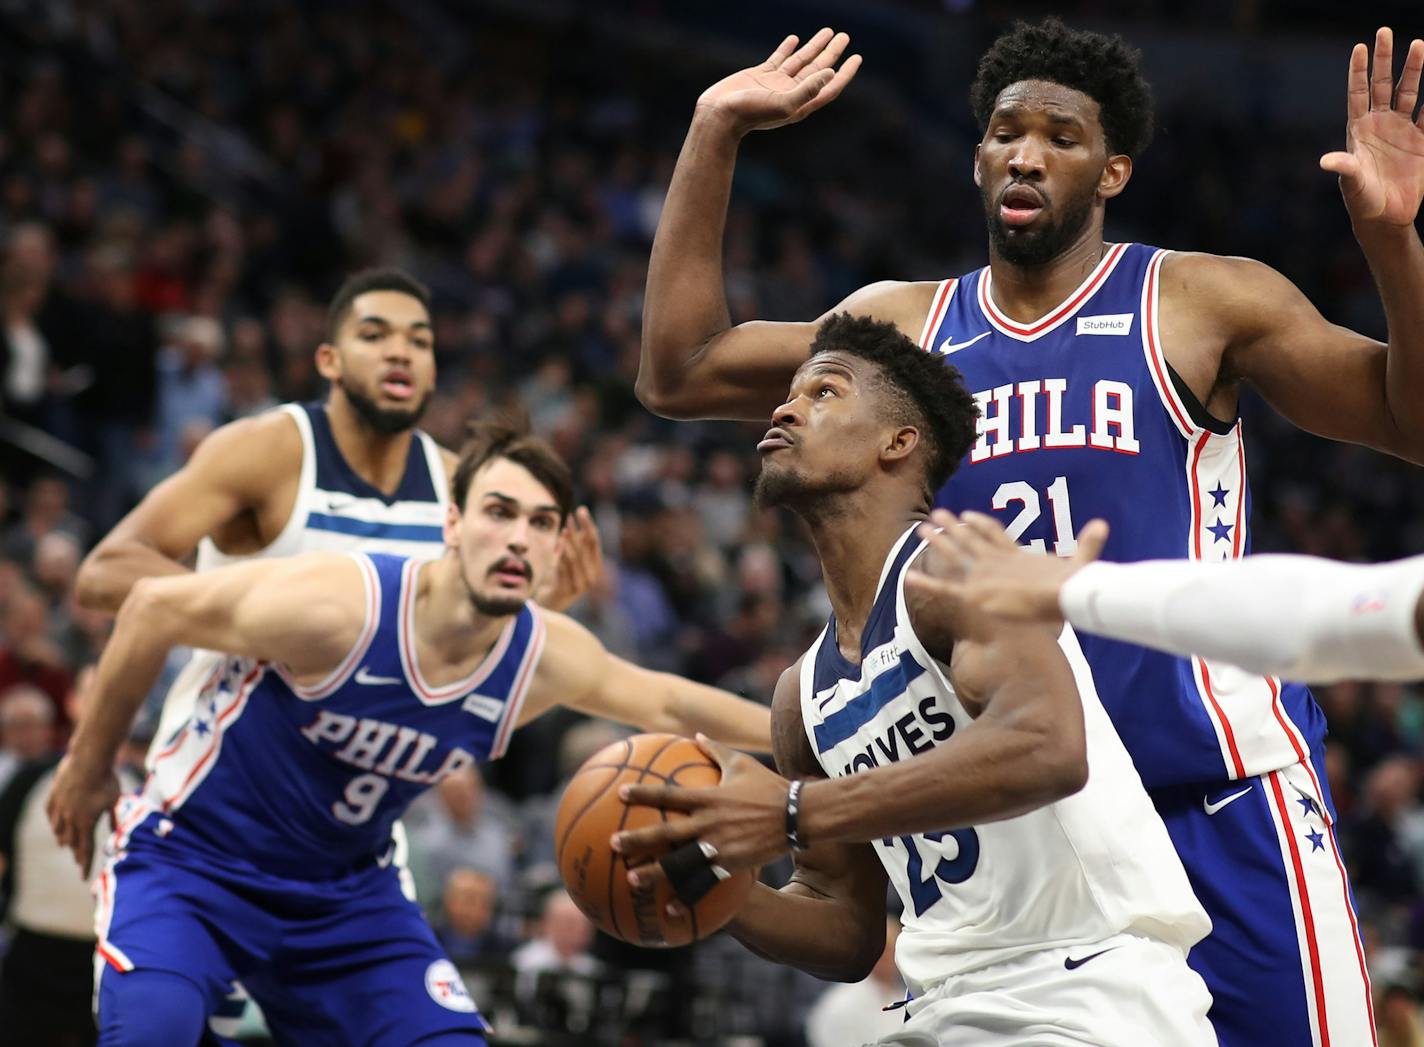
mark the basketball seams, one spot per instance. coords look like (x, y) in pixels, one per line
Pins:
(613, 857)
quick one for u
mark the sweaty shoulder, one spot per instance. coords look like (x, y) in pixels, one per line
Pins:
(904, 303)
(789, 746)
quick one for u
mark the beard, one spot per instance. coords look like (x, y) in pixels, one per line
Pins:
(1027, 248)
(388, 420)
(811, 498)
(501, 606)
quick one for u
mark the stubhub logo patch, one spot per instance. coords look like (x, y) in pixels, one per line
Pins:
(1115, 323)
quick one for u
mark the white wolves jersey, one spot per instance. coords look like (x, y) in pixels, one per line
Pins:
(335, 511)
(306, 781)
(1082, 417)
(1090, 866)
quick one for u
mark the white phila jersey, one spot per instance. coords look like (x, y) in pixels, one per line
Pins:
(335, 511)
(1095, 864)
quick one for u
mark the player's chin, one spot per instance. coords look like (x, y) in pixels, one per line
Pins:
(497, 603)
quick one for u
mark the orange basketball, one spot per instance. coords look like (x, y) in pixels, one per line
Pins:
(597, 878)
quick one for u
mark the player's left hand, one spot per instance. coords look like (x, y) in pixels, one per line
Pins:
(744, 818)
(76, 800)
(1381, 168)
(580, 565)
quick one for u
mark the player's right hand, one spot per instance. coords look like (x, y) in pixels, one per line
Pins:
(789, 86)
(978, 570)
(76, 800)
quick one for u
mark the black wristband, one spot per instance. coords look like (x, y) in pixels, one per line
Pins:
(793, 816)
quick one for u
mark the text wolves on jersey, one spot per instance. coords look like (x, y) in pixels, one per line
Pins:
(1112, 410)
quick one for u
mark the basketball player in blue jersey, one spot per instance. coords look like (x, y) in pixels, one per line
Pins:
(976, 769)
(1107, 376)
(260, 846)
(351, 473)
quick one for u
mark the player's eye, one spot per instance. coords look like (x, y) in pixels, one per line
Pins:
(1063, 143)
(498, 511)
(821, 392)
(546, 523)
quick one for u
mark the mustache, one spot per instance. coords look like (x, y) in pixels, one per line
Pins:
(511, 563)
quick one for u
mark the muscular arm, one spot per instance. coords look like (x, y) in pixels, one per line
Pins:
(233, 471)
(576, 670)
(829, 919)
(304, 612)
(1026, 747)
(694, 363)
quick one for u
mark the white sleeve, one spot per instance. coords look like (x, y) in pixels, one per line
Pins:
(1299, 617)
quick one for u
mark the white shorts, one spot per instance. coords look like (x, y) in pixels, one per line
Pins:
(1123, 991)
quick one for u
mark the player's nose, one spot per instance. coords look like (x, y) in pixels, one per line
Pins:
(1026, 161)
(787, 415)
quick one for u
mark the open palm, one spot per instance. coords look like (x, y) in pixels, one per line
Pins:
(789, 86)
(1381, 168)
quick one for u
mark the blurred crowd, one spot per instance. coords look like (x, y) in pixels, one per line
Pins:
(167, 242)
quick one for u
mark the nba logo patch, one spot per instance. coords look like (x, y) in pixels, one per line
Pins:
(443, 984)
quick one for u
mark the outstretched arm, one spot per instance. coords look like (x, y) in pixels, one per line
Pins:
(1298, 617)
(577, 671)
(694, 363)
(305, 612)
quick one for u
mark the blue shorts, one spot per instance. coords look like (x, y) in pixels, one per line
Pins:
(1284, 961)
(341, 962)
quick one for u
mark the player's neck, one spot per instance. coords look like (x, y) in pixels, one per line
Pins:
(451, 636)
(852, 546)
(1026, 293)
(378, 458)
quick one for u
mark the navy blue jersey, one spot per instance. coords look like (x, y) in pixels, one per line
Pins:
(1082, 417)
(306, 781)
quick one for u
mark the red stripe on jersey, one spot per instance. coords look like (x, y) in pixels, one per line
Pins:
(1236, 761)
(1312, 947)
(937, 308)
(1105, 267)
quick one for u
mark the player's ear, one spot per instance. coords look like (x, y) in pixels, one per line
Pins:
(978, 179)
(901, 443)
(452, 525)
(1115, 174)
(328, 361)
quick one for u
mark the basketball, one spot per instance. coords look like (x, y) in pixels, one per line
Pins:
(597, 878)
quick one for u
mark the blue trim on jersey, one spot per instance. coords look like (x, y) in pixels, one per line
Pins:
(334, 472)
(861, 709)
(375, 529)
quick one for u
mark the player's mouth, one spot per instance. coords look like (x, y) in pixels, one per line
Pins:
(776, 439)
(397, 384)
(1020, 204)
(511, 573)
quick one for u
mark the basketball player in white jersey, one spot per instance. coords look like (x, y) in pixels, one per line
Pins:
(1300, 617)
(1043, 902)
(1108, 376)
(352, 473)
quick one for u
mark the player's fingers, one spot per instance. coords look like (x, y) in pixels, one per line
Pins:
(982, 536)
(663, 796)
(718, 753)
(782, 52)
(649, 874)
(1346, 165)
(832, 89)
(656, 838)
(1091, 540)
(1407, 96)
(916, 579)
(1382, 76)
(946, 543)
(831, 55)
(1358, 90)
(807, 52)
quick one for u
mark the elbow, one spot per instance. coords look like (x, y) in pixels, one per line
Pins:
(660, 397)
(90, 587)
(1063, 764)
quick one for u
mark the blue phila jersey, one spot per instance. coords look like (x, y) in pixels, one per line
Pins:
(1080, 417)
(306, 781)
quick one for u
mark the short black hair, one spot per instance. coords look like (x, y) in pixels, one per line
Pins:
(365, 280)
(511, 438)
(924, 391)
(1103, 67)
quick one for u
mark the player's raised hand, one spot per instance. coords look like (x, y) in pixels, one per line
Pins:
(789, 86)
(76, 800)
(977, 570)
(580, 565)
(1381, 168)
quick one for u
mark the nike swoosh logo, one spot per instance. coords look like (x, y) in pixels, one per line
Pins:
(950, 346)
(1071, 964)
(1212, 808)
(363, 676)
